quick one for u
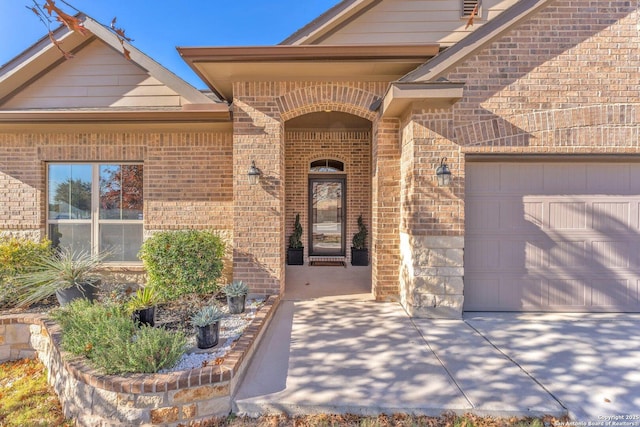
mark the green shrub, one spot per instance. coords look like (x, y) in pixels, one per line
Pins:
(152, 350)
(107, 336)
(16, 257)
(87, 326)
(183, 262)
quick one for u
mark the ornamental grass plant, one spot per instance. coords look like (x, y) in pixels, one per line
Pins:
(53, 272)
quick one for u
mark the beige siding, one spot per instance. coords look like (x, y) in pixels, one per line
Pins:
(413, 21)
(97, 77)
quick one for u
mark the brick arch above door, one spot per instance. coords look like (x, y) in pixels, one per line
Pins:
(345, 98)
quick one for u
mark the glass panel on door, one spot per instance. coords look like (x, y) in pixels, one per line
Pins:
(327, 216)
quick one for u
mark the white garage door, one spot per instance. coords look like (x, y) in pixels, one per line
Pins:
(552, 236)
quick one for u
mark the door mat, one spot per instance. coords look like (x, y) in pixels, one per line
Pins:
(327, 264)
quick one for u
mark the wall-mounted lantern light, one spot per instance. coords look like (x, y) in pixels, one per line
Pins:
(254, 173)
(443, 173)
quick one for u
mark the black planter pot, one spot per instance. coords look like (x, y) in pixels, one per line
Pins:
(236, 304)
(145, 316)
(295, 256)
(84, 290)
(207, 336)
(359, 257)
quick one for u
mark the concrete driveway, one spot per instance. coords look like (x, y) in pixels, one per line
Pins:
(589, 362)
(349, 354)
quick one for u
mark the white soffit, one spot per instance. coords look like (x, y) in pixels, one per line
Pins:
(401, 96)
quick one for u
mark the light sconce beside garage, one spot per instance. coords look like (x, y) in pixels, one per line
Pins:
(254, 173)
(443, 173)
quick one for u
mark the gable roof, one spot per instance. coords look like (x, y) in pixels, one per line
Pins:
(43, 59)
(339, 14)
(426, 83)
(449, 58)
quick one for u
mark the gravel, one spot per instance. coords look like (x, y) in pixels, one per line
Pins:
(231, 328)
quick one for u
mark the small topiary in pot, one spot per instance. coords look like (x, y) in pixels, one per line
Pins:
(236, 293)
(207, 323)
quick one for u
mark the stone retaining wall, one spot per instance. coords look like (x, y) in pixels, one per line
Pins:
(93, 399)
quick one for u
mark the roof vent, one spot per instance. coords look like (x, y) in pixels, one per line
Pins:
(468, 6)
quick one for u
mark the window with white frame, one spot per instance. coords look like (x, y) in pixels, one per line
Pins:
(96, 207)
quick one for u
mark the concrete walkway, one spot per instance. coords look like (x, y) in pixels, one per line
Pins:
(366, 358)
(349, 354)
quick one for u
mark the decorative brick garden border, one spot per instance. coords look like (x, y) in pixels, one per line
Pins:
(93, 399)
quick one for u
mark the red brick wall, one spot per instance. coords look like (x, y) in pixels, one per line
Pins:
(564, 81)
(260, 110)
(21, 185)
(187, 178)
(258, 215)
(426, 208)
(386, 209)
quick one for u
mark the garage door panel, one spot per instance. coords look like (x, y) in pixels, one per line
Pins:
(563, 178)
(532, 293)
(535, 254)
(566, 293)
(483, 255)
(486, 180)
(487, 217)
(533, 214)
(518, 216)
(568, 254)
(554, 237)
(483, 296)
(521, 179)
(616, 182)
(611, 216)
(611, 293)
(567, 215)
(610, 254)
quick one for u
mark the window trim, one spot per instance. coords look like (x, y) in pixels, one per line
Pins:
(327, 160)
(95, 220)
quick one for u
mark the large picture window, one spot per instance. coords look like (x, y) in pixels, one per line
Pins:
(96, 208)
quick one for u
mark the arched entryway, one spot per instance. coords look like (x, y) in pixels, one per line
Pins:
(328, 183)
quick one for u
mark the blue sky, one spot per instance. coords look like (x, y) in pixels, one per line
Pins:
(158, 26)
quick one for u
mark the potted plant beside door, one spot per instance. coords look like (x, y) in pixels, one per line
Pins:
(295, 252)
(359, 251)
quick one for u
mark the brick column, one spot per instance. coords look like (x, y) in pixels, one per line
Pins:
(385, 188)
(258, 210)
(432, 228)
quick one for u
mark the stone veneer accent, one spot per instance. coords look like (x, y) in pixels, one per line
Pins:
(432, 271)
(97, 400)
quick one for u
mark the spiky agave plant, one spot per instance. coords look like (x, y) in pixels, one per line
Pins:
(207, 315)
(237, 288)
(63, 269)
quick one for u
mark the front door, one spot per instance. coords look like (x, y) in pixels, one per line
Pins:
(327, 216)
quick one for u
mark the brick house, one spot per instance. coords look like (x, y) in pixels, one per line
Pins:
(535, 109)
